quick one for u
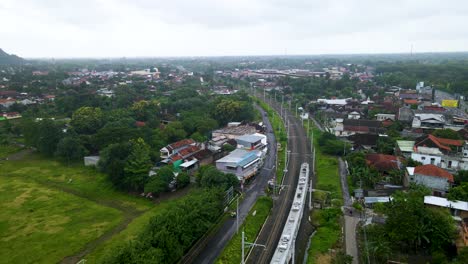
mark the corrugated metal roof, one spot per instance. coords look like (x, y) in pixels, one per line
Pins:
(443, 202)
(250, 138)
(240, 157)
(405, 145)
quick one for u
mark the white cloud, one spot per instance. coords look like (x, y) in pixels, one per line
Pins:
(116, 28)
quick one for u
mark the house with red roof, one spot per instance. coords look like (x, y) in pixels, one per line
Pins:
(383, 162)
(182, 153)
(449, 154)
(431, 176)
(7, 102)
(176, 147)
(410, 102)
(11, 115)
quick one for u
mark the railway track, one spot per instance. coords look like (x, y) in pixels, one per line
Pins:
(270, 234)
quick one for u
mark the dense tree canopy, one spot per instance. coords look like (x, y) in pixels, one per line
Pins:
(170, 233)
(70, 148)
(87, 120)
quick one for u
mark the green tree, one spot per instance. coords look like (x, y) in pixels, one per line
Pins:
(211, 177)
(111, 134)
(342, 258)
(413, 226)
(183, 179)
(446, 133)
(137, 165)
(48, 135)
(87, 120)
(174, 131)
(459, 193)
(70, 149)
(156, 185)
(112, 162)
(145, 110)
(462, 257)
(227, 111)
(385, 145)
(461, 176)
(160, 182)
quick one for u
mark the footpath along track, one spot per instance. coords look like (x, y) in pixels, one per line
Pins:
(270, 234)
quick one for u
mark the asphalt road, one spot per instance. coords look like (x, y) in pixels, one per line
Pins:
(217, 243)
(351, 217)
(270, 234)
(344, 182)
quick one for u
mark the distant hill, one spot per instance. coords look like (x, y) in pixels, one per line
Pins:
(6, 58)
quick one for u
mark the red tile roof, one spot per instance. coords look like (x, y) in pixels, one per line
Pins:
(181, 143)
(382, 162)
(433, 170)
(190, 150)
(411, 101)
(449, 142)
(140, 123)
(441, 143)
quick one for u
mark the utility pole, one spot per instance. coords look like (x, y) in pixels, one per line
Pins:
(313, 161)
(310, 192)
(282, 101)
(244, 243)
(237, 216)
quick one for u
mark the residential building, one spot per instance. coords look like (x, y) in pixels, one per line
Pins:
(7, 102)
(11, 115)
(458, 209)
(384, 117)
(383, 163)
(431, 176)
(91, 160)
(411, 103)
(190, 166)
(173, 149)
(363, 141)
(359, 126)
(428, 121)
(405, 114)
(459, 212)
(235, 130)
(445, 153)
(251, 142)
(404, 148)
(354, 115)
(244, 164)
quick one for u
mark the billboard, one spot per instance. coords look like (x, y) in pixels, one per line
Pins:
(450, 103)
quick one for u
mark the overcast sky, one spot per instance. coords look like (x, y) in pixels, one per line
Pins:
(118, 28)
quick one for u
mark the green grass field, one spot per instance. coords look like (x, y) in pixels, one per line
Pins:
(251, 227)
(328, 232)
(43, 225)
(51, 211)
(130, 232)
(6, 150)
(77, 179)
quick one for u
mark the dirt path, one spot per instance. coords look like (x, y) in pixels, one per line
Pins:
(129, 214)
(20, 154)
